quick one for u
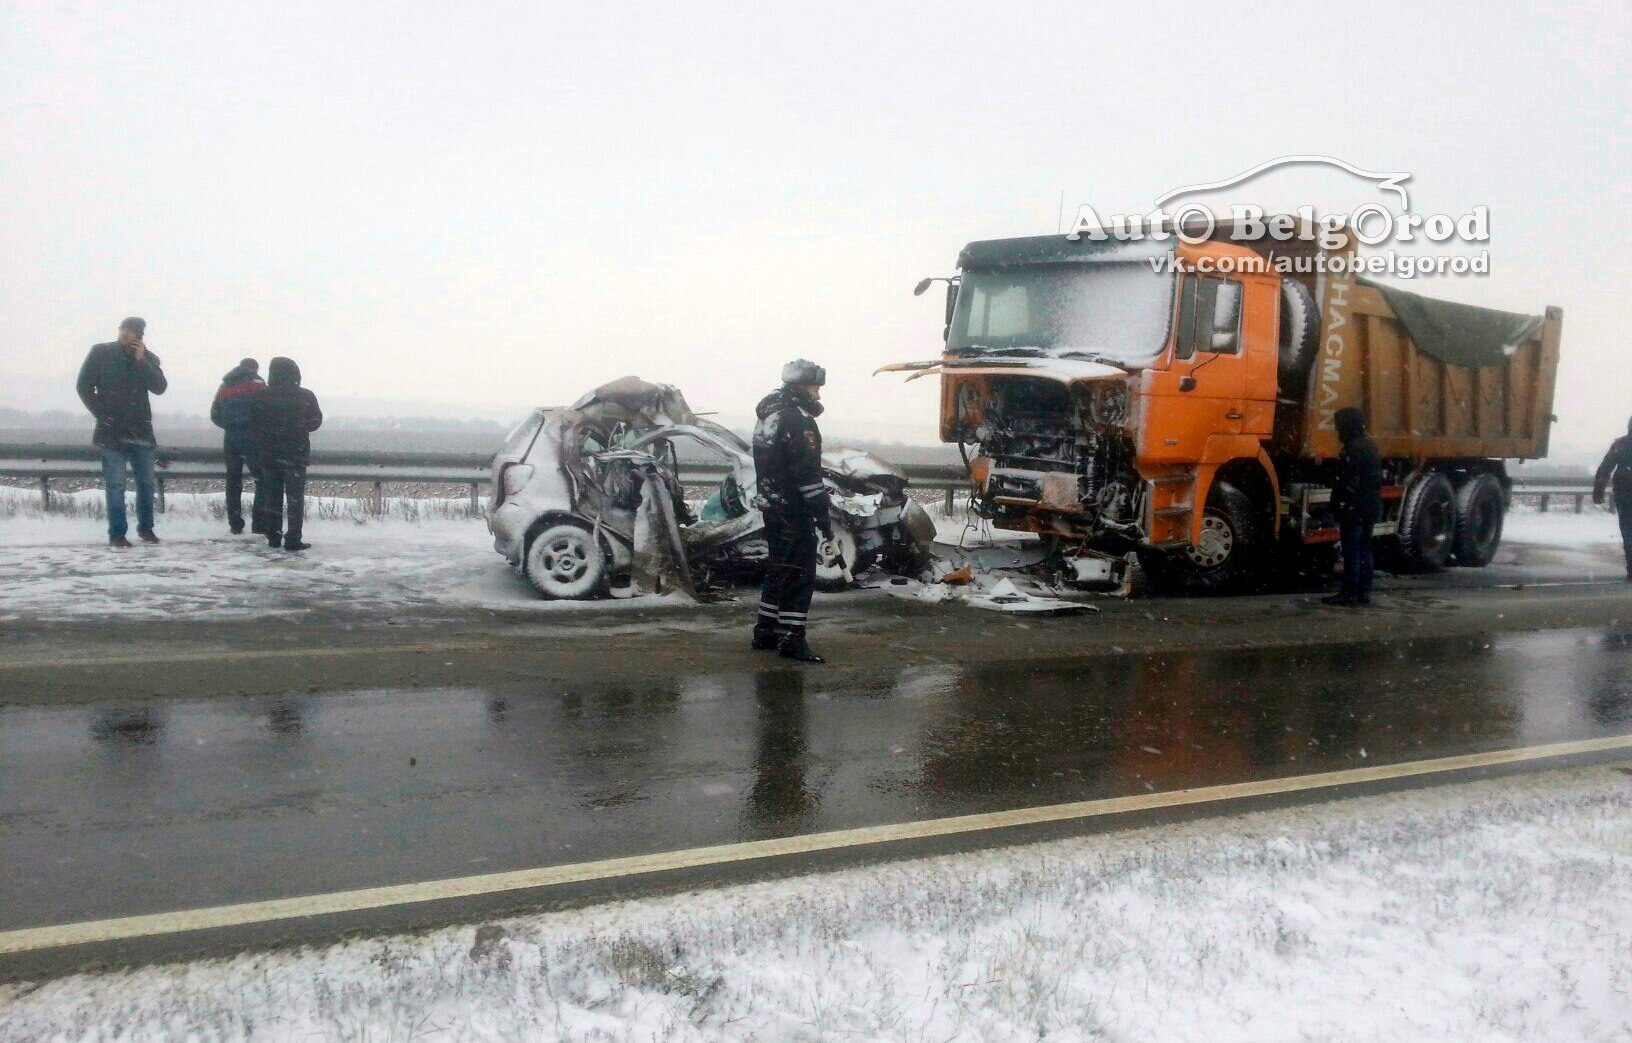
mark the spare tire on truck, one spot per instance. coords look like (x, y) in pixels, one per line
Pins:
(1299, 333)
(1427, 529)
(1233, 547)
(1480, 508)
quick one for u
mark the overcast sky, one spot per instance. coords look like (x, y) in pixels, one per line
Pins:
(473, 208)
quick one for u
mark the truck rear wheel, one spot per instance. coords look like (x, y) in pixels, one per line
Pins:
(1480, 506)
(1427, 528)
(1228, 556)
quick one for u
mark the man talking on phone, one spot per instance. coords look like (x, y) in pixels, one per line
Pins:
(114, 384)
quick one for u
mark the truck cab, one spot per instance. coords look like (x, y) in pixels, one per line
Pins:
(1096, 389)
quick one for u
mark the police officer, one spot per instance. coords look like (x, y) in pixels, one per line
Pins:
(793, 500)
(1617, 466)
(1357, 500)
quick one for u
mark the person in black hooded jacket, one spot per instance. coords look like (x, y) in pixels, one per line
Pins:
(282, 417)
(793, 499)
(1357, 501)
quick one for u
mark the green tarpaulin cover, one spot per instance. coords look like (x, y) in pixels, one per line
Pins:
(1459, 334)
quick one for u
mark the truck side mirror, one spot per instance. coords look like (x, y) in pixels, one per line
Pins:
(1187, 383)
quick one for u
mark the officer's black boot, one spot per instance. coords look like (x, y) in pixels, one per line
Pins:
(794, 646)
(766, 638)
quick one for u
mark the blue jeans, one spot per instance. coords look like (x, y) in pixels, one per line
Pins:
(140, 460)
(1357, 564)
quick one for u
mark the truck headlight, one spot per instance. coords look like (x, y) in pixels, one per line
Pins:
(1111, 403)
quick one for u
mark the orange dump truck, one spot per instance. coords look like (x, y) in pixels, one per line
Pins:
(1174, 401)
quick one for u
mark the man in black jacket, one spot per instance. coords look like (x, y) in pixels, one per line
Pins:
(230, 412)
(1357, 501)
(114, 383)
(282, 416)
(793, 499)
(1617, 470)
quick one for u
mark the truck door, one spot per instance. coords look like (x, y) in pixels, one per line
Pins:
(1204, 387)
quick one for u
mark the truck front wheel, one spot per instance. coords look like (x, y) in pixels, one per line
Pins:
(1480, 505)
(1427, 528)
(1226, 560)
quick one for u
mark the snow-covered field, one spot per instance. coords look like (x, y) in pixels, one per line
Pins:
(1562, 528)
(421, 555)
(1486, 911)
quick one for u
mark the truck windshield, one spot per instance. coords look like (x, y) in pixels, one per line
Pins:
(1115, 312)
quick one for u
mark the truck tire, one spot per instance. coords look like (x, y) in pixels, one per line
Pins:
(1228, 559)
(1299, 334)
(1480, 507)
(1427, 529)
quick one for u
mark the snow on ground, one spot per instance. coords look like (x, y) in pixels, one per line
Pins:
(421, 556)
(1562, 528)
(1498, 910)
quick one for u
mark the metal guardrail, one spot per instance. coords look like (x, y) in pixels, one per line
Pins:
(47, 463)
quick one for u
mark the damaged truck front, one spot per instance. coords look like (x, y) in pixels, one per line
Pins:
(1173, 402)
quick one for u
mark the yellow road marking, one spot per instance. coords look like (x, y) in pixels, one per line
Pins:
(157, 924)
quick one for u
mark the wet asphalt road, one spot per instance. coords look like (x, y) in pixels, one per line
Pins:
(117, 809)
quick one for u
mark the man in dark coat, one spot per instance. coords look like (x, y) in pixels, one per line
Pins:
(230, 412)
(282, 417)
(1617, 470)
(1357, 501)
(114, 383)
(793, 500)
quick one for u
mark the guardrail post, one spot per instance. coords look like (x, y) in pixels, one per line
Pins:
(379, 499)
(1546, 498)
(949, 500)
(475, 499)
(45, 491)
(159, 483)
(1580, 502)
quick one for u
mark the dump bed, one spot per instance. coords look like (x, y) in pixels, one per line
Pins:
(1437, 380)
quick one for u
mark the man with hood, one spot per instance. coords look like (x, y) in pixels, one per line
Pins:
(1617, 470)
(114, 383)
(1357, 501)
(230, 412)
(282, 416)
(793, 500)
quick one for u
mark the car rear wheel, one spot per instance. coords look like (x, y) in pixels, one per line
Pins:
(564, 562)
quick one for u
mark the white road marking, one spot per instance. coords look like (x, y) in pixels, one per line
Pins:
(159, 924)
(245, 655)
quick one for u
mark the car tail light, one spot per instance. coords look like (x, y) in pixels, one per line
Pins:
(516, 477)
(511, 480)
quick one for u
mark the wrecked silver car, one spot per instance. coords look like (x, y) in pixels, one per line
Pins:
(587, 502)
